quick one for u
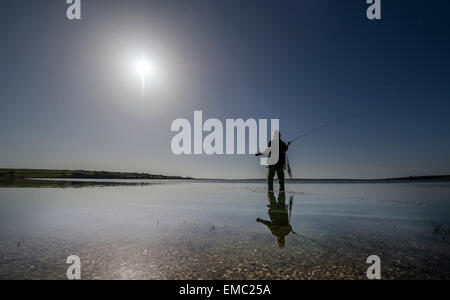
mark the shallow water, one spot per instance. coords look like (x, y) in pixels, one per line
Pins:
(209, 230)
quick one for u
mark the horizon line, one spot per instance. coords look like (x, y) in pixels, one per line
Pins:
(440, 176)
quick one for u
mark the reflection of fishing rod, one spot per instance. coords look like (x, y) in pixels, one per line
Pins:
(289, 169)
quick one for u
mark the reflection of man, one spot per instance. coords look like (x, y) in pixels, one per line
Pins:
(277, 168)
(279, 218)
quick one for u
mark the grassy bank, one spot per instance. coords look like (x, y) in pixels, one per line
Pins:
(23, 178)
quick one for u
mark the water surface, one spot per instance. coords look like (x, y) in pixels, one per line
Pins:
(226, 230)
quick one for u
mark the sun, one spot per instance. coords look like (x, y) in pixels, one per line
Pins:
(146, 70)
(143, 67)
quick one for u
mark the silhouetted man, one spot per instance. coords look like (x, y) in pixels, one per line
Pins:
(279, 219)
(280, 165)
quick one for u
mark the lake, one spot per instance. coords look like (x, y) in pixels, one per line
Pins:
(227, 230)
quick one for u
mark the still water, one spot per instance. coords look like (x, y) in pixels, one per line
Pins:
(226, 230)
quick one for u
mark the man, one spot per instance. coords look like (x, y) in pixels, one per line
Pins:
(277, 168)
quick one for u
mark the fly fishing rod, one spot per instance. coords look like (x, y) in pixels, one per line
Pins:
(319, 128)
(289, 169)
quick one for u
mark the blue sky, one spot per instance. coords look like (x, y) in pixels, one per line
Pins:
(69, 100)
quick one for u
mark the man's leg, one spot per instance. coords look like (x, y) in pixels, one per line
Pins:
(270, 175)
(280, 174)
(272, 201)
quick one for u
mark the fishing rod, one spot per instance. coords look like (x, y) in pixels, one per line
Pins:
(319, 128)
(288, 165)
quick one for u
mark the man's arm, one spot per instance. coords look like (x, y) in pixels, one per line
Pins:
(267, 223)
(265, 152)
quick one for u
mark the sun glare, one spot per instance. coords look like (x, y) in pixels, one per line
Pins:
(143, 67)
(146, 71)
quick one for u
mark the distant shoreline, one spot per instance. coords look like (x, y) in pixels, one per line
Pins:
(24, 178)
(79, 174)
(350, 180)
(12, 176)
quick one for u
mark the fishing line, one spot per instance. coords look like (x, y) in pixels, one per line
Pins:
(321, 127)
(288, 166)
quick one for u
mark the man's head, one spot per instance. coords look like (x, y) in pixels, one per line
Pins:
(276, 135)
(281, 241)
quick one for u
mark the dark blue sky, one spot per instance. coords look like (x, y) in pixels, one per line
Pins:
(68, 99)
